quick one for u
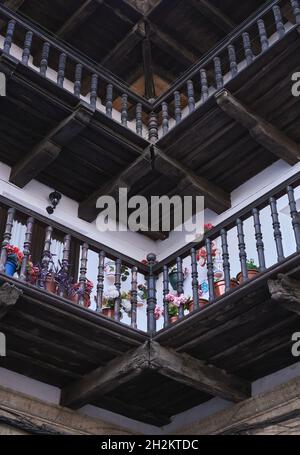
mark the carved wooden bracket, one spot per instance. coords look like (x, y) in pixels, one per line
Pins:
(9, 295)
(286, 291)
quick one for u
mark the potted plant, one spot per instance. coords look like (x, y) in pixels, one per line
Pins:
(175, 302)
(110, 272)
(190, 304)
(63, 282)
(253, 270)
(126, 302)
(173, 276)
(142, 295)
(14, 260)
(33, 272)
(77, 292)
(108, 307)
(220, 286)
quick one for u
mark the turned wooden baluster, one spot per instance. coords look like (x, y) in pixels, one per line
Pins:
(118, 273)
(6, 238)
(133, 292)
(82, 273)
(61, 69)
(139, 119)
(225, 258)
(124, 109)
(218, 73)
(109, 99)
(165, 118)
(263, 35)
(151, 290)
(100, 282)
(177, 103)
(232, 60)
(295, 215)
(195, 282)
(9, 36)
(180, 280)
(210, 269)
(247, 48)
(276, 229)
(296, 9)
(242, 248)
(153, 128)
(44, 59)
(191, 96)
(46, 256)
(94, 87)
(259, 240)
(278, 21)
(204, 85)
(65, 263)
(26, 249)
(166, 291)
(27, 47)
(77, 82)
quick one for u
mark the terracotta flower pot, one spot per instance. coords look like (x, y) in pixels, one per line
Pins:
(87, 300)
(108, 312)
(252, 273)
(220, 287)
(50, 284)
(173, 319)
(202, 303)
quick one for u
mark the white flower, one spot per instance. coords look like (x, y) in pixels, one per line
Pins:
(126, 306)
(111, 293)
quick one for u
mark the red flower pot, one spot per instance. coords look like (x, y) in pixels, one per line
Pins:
(108, 312)
(50, 284)
(87, 300)
(252, 273)
(220, 287)
(202, 303)
(173, 319)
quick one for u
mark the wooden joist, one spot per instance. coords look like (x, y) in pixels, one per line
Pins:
(105, 379)
(286, 292)
(216, 198)
(9, 295)
(78, 17)
(135, 171)
(49, 148)
(215, 15)
(151, 356)
(171, 47)
(262, 131)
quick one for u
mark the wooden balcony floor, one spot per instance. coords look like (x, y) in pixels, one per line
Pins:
(57, 342)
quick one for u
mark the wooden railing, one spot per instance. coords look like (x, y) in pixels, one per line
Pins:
(72, 70)
(225, 62)
(69, 277)
(219, 279)
(193, 89)
(36, 265)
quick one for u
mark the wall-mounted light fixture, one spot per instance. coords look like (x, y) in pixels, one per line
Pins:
(54, 198)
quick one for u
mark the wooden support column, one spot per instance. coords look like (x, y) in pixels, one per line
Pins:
(49, 148)
(262, 131)
(286, 292)
(9, 296)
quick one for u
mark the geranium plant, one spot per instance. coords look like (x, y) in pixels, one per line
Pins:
(77, 292)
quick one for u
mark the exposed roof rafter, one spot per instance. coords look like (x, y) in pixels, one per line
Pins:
(215, 15)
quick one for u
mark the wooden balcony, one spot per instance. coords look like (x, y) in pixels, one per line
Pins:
(217, 350)
(226, 119)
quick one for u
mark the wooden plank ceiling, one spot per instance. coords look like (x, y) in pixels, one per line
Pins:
(134, 38)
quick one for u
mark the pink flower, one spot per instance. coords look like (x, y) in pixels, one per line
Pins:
(157, 312)
(170, 298)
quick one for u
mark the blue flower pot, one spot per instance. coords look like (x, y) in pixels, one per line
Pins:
(10, 267)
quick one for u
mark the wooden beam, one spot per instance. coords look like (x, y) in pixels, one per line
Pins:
(135, 171)
(172, 47)
(48, 149)
(9, 295)
(214, 14)
(151, 356)
(131, 40)
(286, 292)
(78, 17)
(13, 4)
(262, 131)
(216, 198)
(197, 374)
(148, 69)
(105, 379)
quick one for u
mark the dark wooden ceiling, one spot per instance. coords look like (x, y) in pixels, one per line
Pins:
(115, 33)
